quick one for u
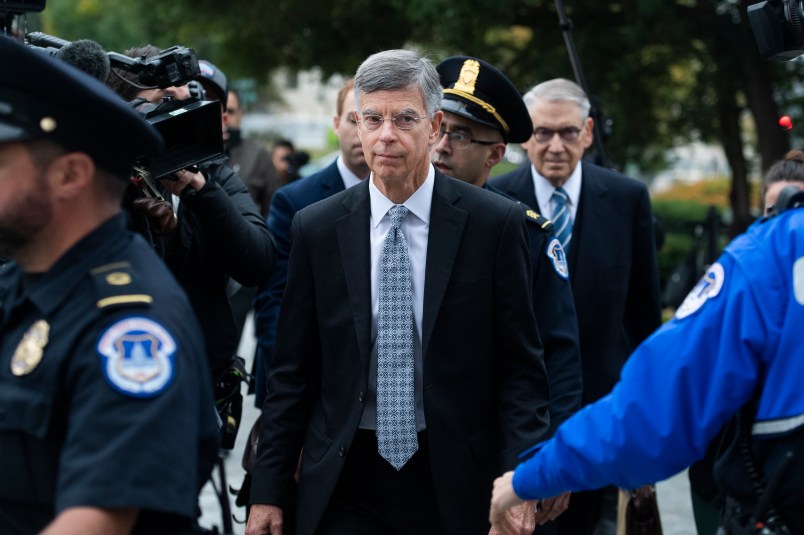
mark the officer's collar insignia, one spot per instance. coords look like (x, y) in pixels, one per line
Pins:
(29, 352)
(468, 77)
(531, 214)
(707, 288)
(798, 280)
(558, 258)
(137, 355)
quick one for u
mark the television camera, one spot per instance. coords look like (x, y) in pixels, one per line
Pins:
(778, 27)
(191, 128)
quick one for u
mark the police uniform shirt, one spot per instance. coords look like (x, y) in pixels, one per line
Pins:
(104, 396)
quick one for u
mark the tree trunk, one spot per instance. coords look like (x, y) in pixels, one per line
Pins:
(731, 138)
(757, 82)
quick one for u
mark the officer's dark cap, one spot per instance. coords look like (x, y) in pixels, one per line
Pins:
(476, 90)
(45, 98)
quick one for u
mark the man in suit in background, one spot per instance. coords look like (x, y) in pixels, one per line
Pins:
(403, 402)
(605, 223)
(348, 169)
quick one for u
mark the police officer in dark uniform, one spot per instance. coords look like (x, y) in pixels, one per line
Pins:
(107, 422)
(483, 111)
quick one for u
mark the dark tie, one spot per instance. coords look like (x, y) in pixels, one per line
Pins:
(562, 219)
(396, 415)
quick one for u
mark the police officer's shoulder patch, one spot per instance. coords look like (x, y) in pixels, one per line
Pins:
(137, 355)
(707, 288)
(557, 256)
(116, 286)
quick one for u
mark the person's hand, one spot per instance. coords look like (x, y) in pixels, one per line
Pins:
(518, 520)
(550, 508)
(182, 179)
(159, 213)
(503, 498)
(264, 520)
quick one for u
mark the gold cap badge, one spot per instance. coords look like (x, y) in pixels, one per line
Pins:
(29, 352)
(468, 78)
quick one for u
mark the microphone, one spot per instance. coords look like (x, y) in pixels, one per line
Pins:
(88, 56)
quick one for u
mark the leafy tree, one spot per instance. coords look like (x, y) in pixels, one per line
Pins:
(665, 72)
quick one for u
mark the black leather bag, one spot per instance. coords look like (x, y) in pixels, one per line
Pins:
(638, 512)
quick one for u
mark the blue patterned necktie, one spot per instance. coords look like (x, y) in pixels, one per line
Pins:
(562, 220)
(396, 415)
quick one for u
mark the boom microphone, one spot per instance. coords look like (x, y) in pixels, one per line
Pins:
(88, 56)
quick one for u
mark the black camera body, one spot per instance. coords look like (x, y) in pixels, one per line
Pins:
(778, 27)
(191, 129)
(173, 66)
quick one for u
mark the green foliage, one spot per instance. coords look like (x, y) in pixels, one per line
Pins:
(682, 214)
(657, 68)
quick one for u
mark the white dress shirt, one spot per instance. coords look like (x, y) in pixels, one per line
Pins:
(416, 228)
(544, 192)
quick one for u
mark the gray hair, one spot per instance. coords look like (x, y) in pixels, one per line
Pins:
(558, 89)
(399, 69)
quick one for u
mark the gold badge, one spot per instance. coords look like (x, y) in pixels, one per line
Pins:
(468, 77)
(531, 213)
(29, 351)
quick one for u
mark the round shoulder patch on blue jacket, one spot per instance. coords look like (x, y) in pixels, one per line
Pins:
(707, 288)
(558, 258)
(137, 356)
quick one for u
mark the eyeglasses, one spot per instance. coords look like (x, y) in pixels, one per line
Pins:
(461, 141)
(545, 135)
(403, 121)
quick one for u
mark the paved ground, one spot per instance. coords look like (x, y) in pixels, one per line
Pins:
(674, 498)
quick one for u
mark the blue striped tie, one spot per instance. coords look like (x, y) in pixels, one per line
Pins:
(396, 414)
(562, 220)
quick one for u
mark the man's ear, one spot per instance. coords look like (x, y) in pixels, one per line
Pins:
(495, 155)
(435, 126)
(71, 174)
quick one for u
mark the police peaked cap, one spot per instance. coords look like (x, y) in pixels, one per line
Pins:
(45, 98)
(214, 81)
(476, 90)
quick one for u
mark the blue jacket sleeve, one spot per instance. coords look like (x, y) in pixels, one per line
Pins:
(677, 390)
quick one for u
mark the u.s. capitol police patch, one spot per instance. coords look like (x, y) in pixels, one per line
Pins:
(707, 288)
(558, 258)
(137, 355)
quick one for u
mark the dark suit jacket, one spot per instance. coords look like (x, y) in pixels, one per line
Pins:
(485, 386)
(613, 269)
(285, 203)
(554, 308)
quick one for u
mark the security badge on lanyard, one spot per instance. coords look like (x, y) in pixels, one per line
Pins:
(29, 352)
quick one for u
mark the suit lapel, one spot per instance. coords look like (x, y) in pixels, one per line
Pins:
(353, 240)
(524, 184)
(331, 181)
(586, 227)
(446, 229)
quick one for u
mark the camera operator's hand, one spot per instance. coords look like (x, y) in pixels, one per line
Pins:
(159, 213)
(184, 179)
